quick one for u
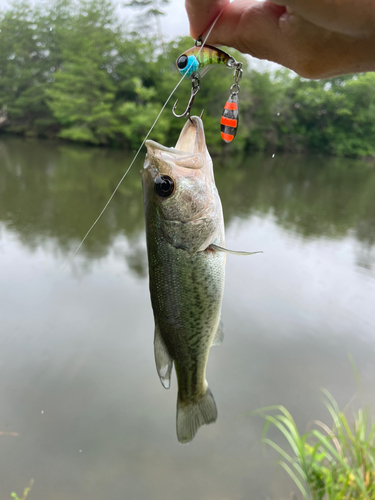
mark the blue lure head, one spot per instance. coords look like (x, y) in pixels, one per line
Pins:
(187, 65)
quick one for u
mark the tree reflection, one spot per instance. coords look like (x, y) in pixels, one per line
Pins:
(309, 195)
(52, 193)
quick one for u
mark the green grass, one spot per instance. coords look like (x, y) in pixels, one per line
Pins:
(336, 463)
(25, 492)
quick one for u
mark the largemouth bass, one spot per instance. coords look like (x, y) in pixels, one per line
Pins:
(185, 236)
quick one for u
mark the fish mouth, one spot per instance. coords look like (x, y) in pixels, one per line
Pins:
(190, 149)
(192, 139)
(189, 167)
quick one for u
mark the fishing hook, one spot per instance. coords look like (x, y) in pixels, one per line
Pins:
(194, 91)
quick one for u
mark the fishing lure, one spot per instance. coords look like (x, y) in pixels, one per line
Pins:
(199, 61)
(193, 64)
(230, 116)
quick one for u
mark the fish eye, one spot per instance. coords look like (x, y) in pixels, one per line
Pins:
(182, 61)
(164, 186)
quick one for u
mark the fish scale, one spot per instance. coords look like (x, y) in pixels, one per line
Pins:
(179, 319)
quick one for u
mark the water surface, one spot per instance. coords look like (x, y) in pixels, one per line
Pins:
(77, 376)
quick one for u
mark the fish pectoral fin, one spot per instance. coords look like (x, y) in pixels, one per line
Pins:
(216, 248)
(162, 359)
(192, 414)
(219, 335)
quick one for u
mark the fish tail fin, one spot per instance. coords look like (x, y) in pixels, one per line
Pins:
(193, 414)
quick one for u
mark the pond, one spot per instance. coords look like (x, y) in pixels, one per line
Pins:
(82, 411)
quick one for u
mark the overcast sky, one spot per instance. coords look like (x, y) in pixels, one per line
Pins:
(174, 23)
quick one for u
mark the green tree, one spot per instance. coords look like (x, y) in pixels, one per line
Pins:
(83, 93)
(26, 65)
(334, 116)
(72, 70)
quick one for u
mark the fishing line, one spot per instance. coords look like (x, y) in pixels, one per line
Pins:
(122, 178)
(139, 149)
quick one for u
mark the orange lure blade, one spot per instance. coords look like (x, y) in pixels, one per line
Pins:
(230, 118)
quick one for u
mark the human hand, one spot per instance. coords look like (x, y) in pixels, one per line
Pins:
(315, 38)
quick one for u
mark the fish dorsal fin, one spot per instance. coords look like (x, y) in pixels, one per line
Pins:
(162, 359)
(219, 335)
(216, 248)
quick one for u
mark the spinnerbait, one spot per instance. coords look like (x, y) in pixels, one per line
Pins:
(194, 64)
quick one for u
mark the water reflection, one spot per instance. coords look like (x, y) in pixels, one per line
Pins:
(310, 196)
(53, 193)
(82, 351)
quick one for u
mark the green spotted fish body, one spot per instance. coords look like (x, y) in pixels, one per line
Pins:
(183, 219)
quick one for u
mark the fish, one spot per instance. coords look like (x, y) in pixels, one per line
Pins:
(197, 60)
(186, 258)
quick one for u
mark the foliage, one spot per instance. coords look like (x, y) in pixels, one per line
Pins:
(327, 464)
(25, 491)
(70, 69)
(333, 116)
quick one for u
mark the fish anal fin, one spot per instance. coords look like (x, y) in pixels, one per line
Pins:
(219, 335)
(217, 248)
(193, 414)
(162, 359)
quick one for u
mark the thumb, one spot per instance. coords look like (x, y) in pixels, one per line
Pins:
(247, 25)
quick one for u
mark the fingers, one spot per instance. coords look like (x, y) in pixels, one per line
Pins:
(202, 13)
(249, 26)
(267, 31)
(350, 17)
(316, 52)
